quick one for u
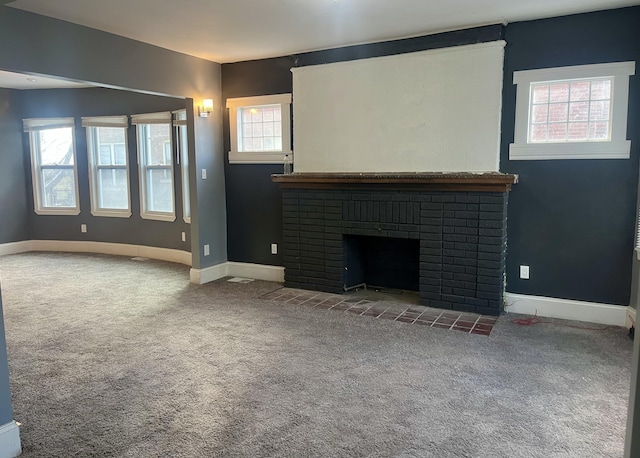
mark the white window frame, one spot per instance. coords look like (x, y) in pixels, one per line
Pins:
(180, 125)
(139, 121)
(618, 147)
(260, 157)
(90, 123)
(33, 126)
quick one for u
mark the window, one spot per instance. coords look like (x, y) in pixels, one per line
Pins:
(155, 163)
(575, 112)
(108, 165)
(180, 124)
(260, 129)
(53, 166)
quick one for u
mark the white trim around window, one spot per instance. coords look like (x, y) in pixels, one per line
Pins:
(155, 166)
(271, 155)
(108, 154)
(616, 146)
(53, 165)
(180, 126)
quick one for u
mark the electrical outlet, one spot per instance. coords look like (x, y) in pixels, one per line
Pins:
(204, 174)
(83, 228)
(184, 236)
(206, 250)
(274, 248)
(524, 272)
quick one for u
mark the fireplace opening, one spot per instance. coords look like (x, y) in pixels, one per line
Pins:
(382, 262)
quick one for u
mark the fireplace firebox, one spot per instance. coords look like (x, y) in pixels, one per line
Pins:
(444, 233)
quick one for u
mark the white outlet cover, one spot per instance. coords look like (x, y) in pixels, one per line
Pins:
(206, 250)
(274, 248)
(204, 174)
(524, 272)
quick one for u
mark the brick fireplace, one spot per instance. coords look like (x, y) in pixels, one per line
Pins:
(456, 221)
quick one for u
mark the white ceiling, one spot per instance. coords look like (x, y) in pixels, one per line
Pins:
(234, 30)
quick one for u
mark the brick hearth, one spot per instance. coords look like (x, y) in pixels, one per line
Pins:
(461, 233)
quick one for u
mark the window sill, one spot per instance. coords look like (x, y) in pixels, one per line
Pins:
(51, 211)
(259, 158)
(159, 216)
(111, 214)
(572, 150)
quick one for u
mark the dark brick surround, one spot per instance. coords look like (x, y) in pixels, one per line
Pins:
(462, 239)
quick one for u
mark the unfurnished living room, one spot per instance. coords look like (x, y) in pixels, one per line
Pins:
(332, 228)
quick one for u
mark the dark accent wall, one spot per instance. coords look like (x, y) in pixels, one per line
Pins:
(13, 170)
(572, 221)
(254, 207)
(103, 102)
(254, 211)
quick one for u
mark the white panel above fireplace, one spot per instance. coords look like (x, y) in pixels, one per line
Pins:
(428, 111)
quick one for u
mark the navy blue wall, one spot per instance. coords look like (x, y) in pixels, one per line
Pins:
(13, 187)
(103, 102)
(254, 207)
(254, 210)
(572, 221)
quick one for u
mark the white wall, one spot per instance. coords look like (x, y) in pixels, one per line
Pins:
(436, 110)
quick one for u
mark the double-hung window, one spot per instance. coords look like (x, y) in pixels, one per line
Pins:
(108, 165)
(260, 129)
(577, 112)
(180, 124)
(155, 165)
(53, 166)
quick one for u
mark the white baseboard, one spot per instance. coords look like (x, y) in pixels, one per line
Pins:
(15, 247)
(591, 312)
(256, 271)
(237, 269)
(631, 318)
(119, 249)
(10, 446)
(208, 274)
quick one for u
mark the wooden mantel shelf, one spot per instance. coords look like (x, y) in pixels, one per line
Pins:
(455, 181)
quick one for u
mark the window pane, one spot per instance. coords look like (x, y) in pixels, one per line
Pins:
(104, 158)
(558, 112)
(58, 187)
(540, 113)
(599, 111)
(157, 144)
(576, 110)
(56, 146)
(580, 90)
(539, 133)
(120, 154)
(579, 111)
(159, 191)
(578, 131)
(557, 132)
(601, 90)
(559, 92)
(599, 130)
(112, 189)
(540, 93)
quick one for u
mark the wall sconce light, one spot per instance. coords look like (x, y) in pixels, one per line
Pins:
(206, 108)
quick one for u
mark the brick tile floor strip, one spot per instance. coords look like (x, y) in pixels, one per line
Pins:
(469, 323)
